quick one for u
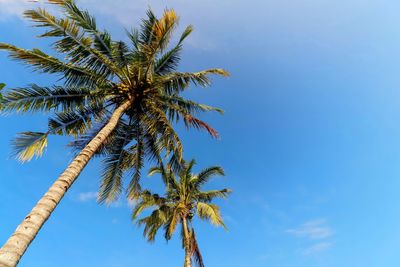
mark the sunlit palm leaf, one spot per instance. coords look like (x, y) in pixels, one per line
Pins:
(29, 144)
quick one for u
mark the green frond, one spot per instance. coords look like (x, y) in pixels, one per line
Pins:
(36, 98)
(73, 42)
(169, 61)
(76, 122)
(210, 212)
(206, 174)
(29, 144)
(175, 82)
(81, 17)
(114, 165)
(188, 170)
(108, 145)
(170, 226)
(147, 200)
(152, 224)
(137, 163)
(146, 32)
(155, 170)
(184, 106)
(157, 123)
(188, 30)
(40, 61)
(195, 250)
(111, 183)
(208, 196)
(60, 2)
(121, 54)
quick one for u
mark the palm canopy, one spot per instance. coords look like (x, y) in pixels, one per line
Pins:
(183, 199)
(99, 75)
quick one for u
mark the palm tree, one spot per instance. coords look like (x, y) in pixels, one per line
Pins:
(117, 99)
(182, 200)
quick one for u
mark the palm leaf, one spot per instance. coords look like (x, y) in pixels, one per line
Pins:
(29, 144)
(210, 212)
(77, 122)
(195, 250)
(40, 61)
(37, 98)
(114, 167)
(207, 173)
(208, 196)
(169, 61)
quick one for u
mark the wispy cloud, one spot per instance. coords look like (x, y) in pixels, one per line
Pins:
(316, 248)
(13, 7)
(87, 196)
(128, 14)
(315, 229)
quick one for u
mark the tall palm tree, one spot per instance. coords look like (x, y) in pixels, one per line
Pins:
(117, 99)
(183, 199)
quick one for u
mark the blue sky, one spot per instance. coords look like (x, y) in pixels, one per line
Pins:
(310, 140)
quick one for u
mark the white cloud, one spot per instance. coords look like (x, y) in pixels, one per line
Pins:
(127, 14)
(317, 248)
(315, 229)
(16, 7)
(87, 196)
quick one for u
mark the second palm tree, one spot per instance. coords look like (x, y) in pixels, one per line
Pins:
(183, 199)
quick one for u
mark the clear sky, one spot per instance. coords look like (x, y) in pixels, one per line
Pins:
(310, 140)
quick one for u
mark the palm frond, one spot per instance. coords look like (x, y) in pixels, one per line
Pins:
(29, 144)
(191, 121)
(183, 106)
(73, 42)
(169, 61)
(137, 163)
(116, 162)
(147, 200)
(163, 29)
(195, 250)
(77, 122)
(206, 174)
(37, 98)
(176, 82)
(170, 226)
(152, 224)
(208, 196)
(210, 212)
(40, 61)
(107, 146)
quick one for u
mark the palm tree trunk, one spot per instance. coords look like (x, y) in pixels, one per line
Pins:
(16, 245)
(187, 262)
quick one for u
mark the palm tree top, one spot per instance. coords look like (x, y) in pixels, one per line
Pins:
(99, 75)
(184, 198)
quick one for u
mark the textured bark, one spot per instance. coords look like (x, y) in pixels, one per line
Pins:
(16, 245)
(187, 243)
